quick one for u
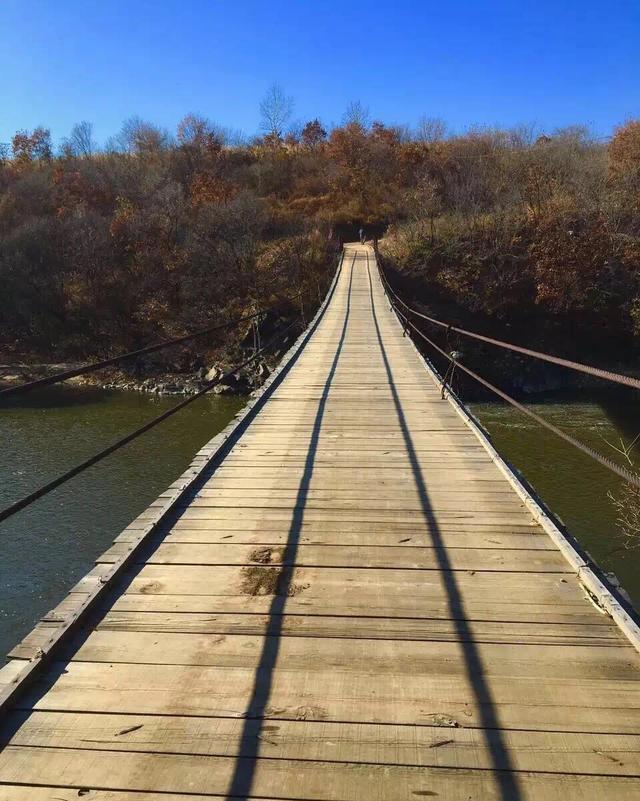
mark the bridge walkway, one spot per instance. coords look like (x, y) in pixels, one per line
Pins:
(355, 605)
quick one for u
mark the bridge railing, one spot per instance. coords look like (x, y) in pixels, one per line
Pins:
(410, 317)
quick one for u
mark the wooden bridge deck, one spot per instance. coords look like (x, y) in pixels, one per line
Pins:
(355, 606)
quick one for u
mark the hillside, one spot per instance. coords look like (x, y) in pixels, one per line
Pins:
(156, 234)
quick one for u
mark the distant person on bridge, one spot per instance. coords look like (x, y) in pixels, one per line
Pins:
(362, 236)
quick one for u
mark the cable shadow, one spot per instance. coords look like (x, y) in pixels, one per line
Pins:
(506, 779)
(249, 746)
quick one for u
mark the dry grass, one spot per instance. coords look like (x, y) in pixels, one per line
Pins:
(266, 555)
(626, 501)
(274, 581)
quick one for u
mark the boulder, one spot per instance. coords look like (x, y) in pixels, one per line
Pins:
(241, 383)
(263, 371)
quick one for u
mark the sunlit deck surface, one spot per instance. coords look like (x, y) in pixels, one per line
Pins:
(354, 606)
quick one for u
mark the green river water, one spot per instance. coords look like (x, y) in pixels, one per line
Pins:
(573, 485)
(46, 548)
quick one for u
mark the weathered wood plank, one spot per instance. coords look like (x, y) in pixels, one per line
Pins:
(319, 781)
(355, 526)
(338, 535)
(424, 746)
(357, 627)
(403, 558)
(351, 604)
(328, 512)
(9, 673)
(515, 702)
(381, 657)
(391, 587)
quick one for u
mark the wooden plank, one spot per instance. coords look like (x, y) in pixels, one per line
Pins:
(424, 746)
(9, 673)
(289, 479)
(356, 499)
(515, 702)
(329, 512)
(20, 792)
(34, 642)
(359, 627)
(382, 657)
(353, 525)
(371, 606)
(365, 490)
(374, 537)
(403, 558)
(318, 499)
(392, 587)
(275, 778)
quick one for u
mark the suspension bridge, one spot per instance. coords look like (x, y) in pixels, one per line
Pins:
(348, 596)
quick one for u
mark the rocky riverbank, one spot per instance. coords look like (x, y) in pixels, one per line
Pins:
(177, 371)
(147, 379)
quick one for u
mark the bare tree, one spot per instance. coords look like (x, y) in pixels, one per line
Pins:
(139, 137)
(574, 134)
(276, 109)
(428, 201)
(523, 136)
(80, 142)
(199, 133)
(196, 130)
(356, 114)
(430, 130)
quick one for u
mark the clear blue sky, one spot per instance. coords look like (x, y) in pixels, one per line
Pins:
(466, 61)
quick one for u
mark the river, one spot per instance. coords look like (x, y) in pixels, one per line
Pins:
(573, 485)
(46, 548)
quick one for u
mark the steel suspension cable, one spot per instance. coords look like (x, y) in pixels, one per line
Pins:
(93, 366)
(598, 372)
(622, 472)
(89, 368)
(79, 468)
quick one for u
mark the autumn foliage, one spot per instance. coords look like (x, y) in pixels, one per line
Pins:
(530, 238)
(157, 234)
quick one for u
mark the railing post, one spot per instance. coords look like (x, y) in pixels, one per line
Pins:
(447, 380)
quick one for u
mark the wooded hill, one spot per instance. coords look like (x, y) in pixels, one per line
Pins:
(155, 234)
